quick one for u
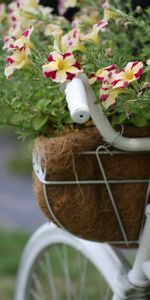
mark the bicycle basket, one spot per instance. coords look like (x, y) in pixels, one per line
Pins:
(92, 190)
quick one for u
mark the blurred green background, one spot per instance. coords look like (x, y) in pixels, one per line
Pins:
(11, 242)
(19, 213)
(11, 245)
(5, 1)
(14, 163)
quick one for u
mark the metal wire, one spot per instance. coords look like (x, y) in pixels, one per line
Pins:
(120, 223)
(144, 216)
(51, 210)
(101, 150)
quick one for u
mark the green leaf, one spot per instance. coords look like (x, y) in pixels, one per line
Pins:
(146, 69)
(146, 112)
(139, 121)
(43, 103)
(121, 118)
(17, 118)
(68, 119)
(39, 121)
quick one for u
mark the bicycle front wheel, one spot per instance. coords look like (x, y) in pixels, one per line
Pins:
(55, 266)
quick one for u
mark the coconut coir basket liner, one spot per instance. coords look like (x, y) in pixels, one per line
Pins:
(86, 210)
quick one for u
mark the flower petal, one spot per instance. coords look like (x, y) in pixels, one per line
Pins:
(61, 76)
(49, 67)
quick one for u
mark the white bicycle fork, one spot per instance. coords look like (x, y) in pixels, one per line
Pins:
(136, 284)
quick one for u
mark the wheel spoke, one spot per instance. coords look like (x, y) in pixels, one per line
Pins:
(83, 273)
(50, 276)
(107, 294)
(61, 272)
(70, 291)
(38, 286)
(34, 294)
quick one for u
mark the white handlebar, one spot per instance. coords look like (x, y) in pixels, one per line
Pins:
(77, 101)
(82, 103)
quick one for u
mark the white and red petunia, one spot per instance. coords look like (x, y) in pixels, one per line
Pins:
(130, 73)
(73, 40)
(8, 43)
(61, 67)
(15, 30)
(17, 61)
(94, 35)
(14, 10)
(103, 74)
(69, 42)
(24, 40)
(108, 96)
(22, 14)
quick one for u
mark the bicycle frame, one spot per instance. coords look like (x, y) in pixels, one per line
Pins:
(126, 284)
(109, 261)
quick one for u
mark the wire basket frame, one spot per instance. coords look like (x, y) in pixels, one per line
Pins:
(101, 150)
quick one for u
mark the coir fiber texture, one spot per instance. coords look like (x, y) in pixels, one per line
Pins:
(86, 210)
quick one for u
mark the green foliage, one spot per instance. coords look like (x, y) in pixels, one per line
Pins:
(12, 244)
(35, 105)
(10, 250)
(31, 104)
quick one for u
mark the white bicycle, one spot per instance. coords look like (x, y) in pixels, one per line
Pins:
(57, 265)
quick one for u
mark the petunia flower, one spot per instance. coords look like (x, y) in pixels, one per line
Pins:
(8, 43)
(110, 12)
(17, 61)
(24, 40)
(17, 22)
(59, 44)
(69, 42)
(130, 73)
(103, 74)
(15, 30)
(94, 35)
(73, 40)
(14, 11)
(108, 95)
(61, 67)
(23, 14)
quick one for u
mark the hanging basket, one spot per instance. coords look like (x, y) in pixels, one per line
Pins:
(92, 190)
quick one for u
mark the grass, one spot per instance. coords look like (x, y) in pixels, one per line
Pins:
(11, 246)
